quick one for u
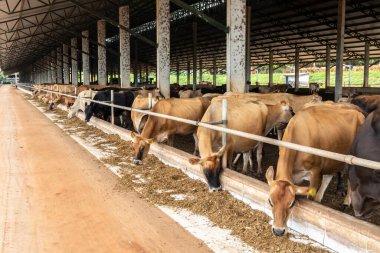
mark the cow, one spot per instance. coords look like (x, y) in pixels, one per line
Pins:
(368, 103)
(139, 119)
(246, 115)
(80, 103)
(190, 93)
(364, 183)
(124, 98)
(161, 129)
(326, 126)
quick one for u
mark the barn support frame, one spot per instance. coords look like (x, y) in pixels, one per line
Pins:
(136, 65)
(328, 66)
(270, 67)
(366, 64)
(177, 71)
(297, 68)
(248, 48)
(200, 70)
(188, 72)
(66, 71)
(86, 57)
(102, 57)
(163, 49)
(74, 61)
(214, 70)
(340, 49)
(53, 66)
(235, 60)
(195, 31)
(125, 48)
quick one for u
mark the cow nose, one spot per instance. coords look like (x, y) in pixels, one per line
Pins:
(278, 231)
(214, 189)
(137, 161)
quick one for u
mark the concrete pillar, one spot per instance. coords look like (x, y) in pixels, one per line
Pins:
(53, 65)
(214, 71)
(188, 72)
(86, 57)
(248, 46)
(74, 61)
(200, 70)
(236, 39)
(66, 74)
(125, 48)
(270, 67)
(195, 28)
(328, 66)
(102, 58)
(340, 48)
(163, 49)
(178, 72)
(59, 65)
(297, 69)
(366, 64)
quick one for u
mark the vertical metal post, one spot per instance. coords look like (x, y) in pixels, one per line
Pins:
(135, 74)
(188, 72)
(297, 69)
(112, 110)
(102, 63)
(366, 65)
(235, 65)
(224, 120)
(54, 66)
(270, 68)
(74, 61)
(195, 55)
(66, 71)
(125, 47)
(150, 101)
(328, 66)
(177, 72)
(85, 58)
(146, 73)
(248, 46)
(65, 89)
(214, 71)
(200, 70)
(75, 91)
(340, 49)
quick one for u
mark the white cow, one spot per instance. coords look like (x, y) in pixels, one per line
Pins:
(80, 103)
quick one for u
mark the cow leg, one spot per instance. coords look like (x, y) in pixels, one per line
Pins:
(250, 160)
(347, 199)
(321, 191)
(259, 155)
(170, 140)
(234, 163)
(121, 120)
(196, 148)
(340, 184)
(246, 156)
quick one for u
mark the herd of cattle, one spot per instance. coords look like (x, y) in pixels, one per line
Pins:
(347, 128)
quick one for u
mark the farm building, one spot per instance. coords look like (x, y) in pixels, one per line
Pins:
(166, 126)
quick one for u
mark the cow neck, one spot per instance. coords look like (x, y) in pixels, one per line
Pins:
(286, 162)
(274, 112)
(148, 130)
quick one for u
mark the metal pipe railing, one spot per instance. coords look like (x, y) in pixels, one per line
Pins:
(349, 159)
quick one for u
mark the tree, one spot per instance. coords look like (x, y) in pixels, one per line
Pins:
(3, 78)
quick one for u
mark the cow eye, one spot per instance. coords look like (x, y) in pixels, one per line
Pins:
(292, 204)
(270, 202)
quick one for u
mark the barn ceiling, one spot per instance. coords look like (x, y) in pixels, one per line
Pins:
(31, 29)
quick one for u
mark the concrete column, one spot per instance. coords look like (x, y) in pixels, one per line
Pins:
(163, 49)
(340, 49)
(66, 71)
(328, 66)
(366, 65)
(248, 46)
(188, 72)
(297, 69)
(270, 67)
(125, 48)
(214, 71)
(59, 65)
(178, 72)
(74, 61)
(236, 39)
(195, 30)
(85, 57)
(102, 58)
(200, 70)
(53, 65)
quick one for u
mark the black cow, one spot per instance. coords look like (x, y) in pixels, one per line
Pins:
(124, 98)
(365, 183)
(368, 103)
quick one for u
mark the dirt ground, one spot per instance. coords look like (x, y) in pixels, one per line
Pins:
(56, 197)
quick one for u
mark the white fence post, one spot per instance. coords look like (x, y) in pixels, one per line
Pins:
(224, 119)
(75, 91)
(150, 101)
(112, 110)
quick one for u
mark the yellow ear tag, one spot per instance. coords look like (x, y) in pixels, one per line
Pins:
(312, 192)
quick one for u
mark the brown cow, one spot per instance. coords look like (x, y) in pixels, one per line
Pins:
(368, 103)
(326, 126)
(245, 114)
(139, 119)
(161, 129)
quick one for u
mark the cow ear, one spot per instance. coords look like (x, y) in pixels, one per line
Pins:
(194, 160)
(221, 151)
(133, 136)
(270, 175)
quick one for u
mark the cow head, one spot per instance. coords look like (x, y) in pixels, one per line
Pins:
(141, 148)
(88, 112)
(211, 167)
(282, 197)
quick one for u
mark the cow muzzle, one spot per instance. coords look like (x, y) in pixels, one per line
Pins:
(137, 161)
(214, 189)
(279, 231)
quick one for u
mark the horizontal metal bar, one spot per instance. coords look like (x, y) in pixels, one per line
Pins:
(349, 159)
